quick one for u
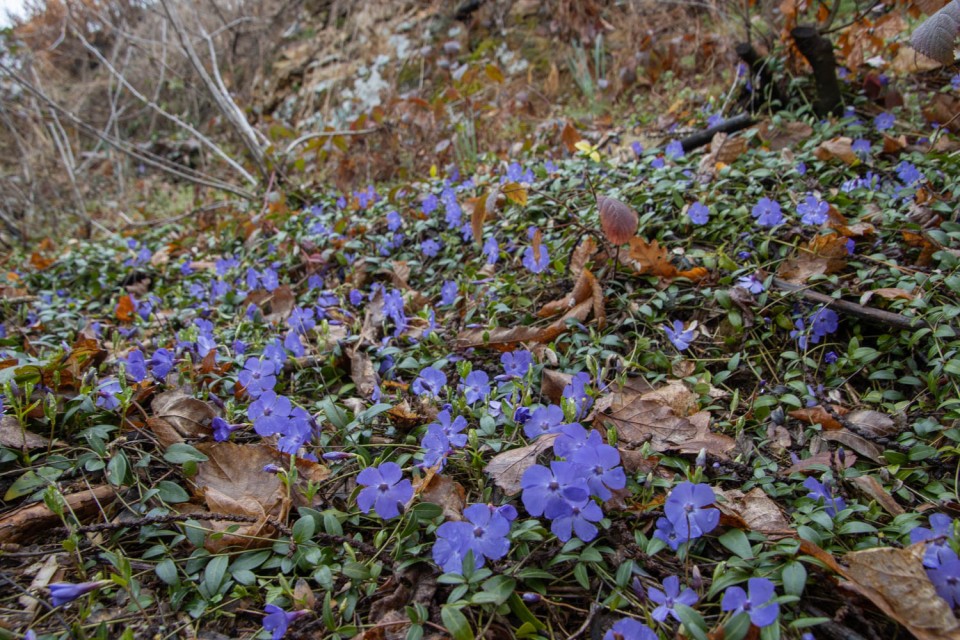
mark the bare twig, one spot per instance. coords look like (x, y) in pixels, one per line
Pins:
(852, 308)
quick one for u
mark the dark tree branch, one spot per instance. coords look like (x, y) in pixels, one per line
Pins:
(818, 51)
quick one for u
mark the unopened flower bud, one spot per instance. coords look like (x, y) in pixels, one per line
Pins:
(531, 598)
(696, 580)
(702, 458)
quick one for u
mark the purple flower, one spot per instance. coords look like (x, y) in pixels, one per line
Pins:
(532, 263)
(830, 357)
(430, 382)
(475, 387)
(277, 620)
(884, 121)
(543, 420)
(751, 283)
(484, 532)
(955, 82)
(573, 437)
(767, 212)
(430, 204)
(258, 376)
(576, 392)
(629, 629)
(698, 213)
(861, 147)
(822, 492)
(939, 534)
(436, 446)
(301, 320)
(386, 490)
(136, 366)
(452, 429)
(669, 597)
(688, 509)
(269, 413)
(160, 363)
(107, 394)
(516, 364)
(666, 532)
(448, 292)
(658, 163)
(547, 491)
(822, 322)
(946, 578)
(222, 429)
(757, 604)
(430, 248)
(679, 337)
(63, 592)
(802, 168)
(674, 150)
(576, 517)
(812, 210)
(601, 468)
(908, 173)
(394, 221)
(637, 148)
(491, 249)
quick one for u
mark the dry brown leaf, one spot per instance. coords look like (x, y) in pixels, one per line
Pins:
(676, 395)
(515, 193)
(125, 309)
(276, 305)
(618, 220)
(362, 372)
(639, 419)
(888, 293)
(188, 416)
(372, 320)
(822, 458)
(649, 258)
(552, 384)
(570, 137)
(785, 135)
(839, 147)
(871, 487)
(500, 338)
(14, 436)
(444, 492)
(819, 415)
(582, 290)
(756, 509)
(873, 422)
(823, 255)
(896, 582)
(507, 468)
(942, 108)
(858, 443)
(581, 256)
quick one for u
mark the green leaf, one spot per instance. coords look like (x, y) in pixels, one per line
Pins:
(456, 623)
(736, 541)
(117, 469)
(244, 577)
(166, 570)
(692, 621)
(580, 573)
(854, 526)
(180, 453)
(737, 627)
(794, 578)
(24, 485)
(214, 573)
(500, 587)
(171, 492)
(250, 560)
(303, 529)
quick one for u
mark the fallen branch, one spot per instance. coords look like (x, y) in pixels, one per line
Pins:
(33, 520)
(852, 308)
(730, 125)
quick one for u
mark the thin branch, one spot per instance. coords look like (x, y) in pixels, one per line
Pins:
(325, 134)
(169, 116)
(852, 308)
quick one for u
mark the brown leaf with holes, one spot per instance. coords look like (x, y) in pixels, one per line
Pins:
(819, 415)
(839, 147)
(756, 510)
(507, 468)
(823, 255)
(618, 220)
(895, 581)
(647, 417)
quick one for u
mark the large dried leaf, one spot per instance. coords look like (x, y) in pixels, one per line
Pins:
(552, 384)
(507, 468)
(756, 510)
(823, 255)
(896, 582)
(873, 490)
(839, 147)
(784, 135)
(581, 256)
(873, 422)
(649, 258)
(509, 338)
(14, 436)
(937, 35)
(819, 415)
(362, 372)
(618, 220)
(858, 443)
(188, 416)
(444, 492)
(641, 418)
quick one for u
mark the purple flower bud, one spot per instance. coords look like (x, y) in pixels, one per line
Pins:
(696, 580)
(335, 456)
(63, 592)
(531, 597)
(271, 468)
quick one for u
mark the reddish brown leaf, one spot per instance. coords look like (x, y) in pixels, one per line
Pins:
(618, 220)
(570, 137)
(839, 147)
(819, 415)
(823, 255)
(649, 258)
(125, 309)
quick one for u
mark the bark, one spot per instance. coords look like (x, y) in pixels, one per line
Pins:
(818, 51)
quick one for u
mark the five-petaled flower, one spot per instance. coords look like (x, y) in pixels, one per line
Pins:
(669, 597)
(629, 629)
(757, 602)
(698, 213)
(386, 490)
(688, 509)
(678, 336)
(431, 381)
(821, 491)
(767, 212)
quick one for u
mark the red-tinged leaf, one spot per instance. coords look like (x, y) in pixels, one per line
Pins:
(570, 137)
(695, 274)
(478, 214)
(649, 258)
(493, 72)
(819, 415)
(536, 244)
(618, 220)
(125, 309)
(515, 193)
